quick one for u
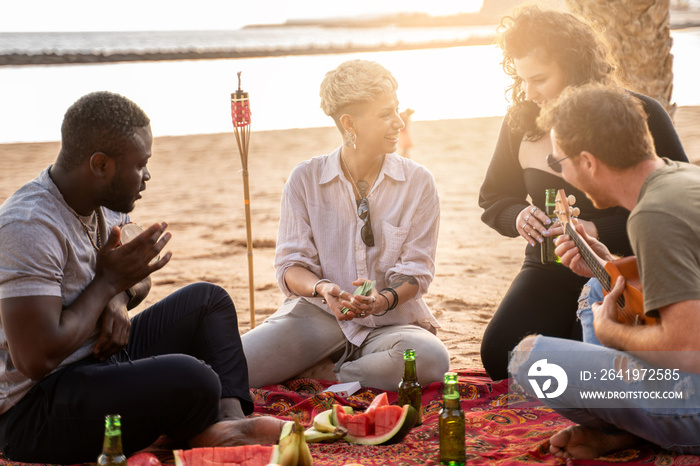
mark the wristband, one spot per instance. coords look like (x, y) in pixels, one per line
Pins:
(313, 291)
(387, 305)
(396, 298)
(130, 293)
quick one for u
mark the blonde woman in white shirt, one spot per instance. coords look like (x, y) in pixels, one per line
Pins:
(359, 213)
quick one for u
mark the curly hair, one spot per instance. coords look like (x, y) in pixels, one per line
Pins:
(606, 121)
(353, 82)
(573, 44)
(98, 122)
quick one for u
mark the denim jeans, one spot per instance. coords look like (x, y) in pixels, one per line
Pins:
(591, 293)
(673, 425)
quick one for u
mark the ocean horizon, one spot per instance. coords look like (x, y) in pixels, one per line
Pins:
(21, 48)
(193, 96)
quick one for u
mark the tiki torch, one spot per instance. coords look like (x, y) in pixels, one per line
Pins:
(240, 114)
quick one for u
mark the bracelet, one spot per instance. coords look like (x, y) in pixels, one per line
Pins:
(396, 298)
(385, 299)
(313, 292)
(130, 293)
(387, 305)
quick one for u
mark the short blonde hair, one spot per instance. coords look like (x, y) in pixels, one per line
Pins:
(353, 82)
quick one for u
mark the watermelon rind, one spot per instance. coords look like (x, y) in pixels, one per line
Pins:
(332, 418)
(275, 457)
(399, 432)
(179, 458)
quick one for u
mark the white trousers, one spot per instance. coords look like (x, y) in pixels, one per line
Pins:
(294, 339)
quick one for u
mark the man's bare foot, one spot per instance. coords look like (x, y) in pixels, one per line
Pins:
(587, 443)
(249, 431)
(322, 370)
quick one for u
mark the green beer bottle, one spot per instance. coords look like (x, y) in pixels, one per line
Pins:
(451, 425)
(112, 453)
(409, 388)
(547, 247)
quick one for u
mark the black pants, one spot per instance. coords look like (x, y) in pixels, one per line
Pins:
(542, 299)
(184, 355)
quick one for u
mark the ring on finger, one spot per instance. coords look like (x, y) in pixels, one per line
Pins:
(533, 210)
(527, 217)
(524, 225)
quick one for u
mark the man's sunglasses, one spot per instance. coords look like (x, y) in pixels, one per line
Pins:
(363, 213)
(555, 164)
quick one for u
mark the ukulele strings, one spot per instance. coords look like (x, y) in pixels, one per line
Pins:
(598, 270)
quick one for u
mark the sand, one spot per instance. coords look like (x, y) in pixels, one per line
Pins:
(197, 188)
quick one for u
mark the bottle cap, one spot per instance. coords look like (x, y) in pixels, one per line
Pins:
(113, 424)
(450, 377)
(409, 355)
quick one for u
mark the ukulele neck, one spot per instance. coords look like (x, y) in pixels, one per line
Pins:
(589, 257)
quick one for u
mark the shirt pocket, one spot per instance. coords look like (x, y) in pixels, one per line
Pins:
(393, 239)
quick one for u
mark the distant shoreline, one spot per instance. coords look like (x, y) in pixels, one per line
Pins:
(679, 19)
(17, 59)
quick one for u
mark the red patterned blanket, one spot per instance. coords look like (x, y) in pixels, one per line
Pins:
(498, 432)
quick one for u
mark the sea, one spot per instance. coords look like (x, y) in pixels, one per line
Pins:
(193, 96)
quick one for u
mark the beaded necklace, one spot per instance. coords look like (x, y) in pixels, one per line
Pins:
(97, 245)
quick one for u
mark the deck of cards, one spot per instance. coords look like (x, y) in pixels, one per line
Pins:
(363, 290)
(344, 389)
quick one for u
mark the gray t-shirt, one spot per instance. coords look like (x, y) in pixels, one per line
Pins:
(664, 230)
(44, 251)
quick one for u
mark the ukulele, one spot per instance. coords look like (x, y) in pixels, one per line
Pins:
(631, 303)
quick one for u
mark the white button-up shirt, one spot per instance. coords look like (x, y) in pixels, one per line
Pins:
(320, 230)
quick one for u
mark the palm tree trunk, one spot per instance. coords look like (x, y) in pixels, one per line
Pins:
(639, 33)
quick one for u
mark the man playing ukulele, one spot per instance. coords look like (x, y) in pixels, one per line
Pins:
(646, 376)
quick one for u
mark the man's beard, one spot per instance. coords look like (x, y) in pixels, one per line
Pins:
(116, 199)
(600, 198)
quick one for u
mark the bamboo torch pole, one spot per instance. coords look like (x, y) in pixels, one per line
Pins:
(240, 114)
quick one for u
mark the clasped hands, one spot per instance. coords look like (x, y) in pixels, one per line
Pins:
(358, 306)
(530, 223)
(121, 268)
(534, 225)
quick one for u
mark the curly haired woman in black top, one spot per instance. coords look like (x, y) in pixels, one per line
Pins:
(545, 52)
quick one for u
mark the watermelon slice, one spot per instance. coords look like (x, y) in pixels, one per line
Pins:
(385, 418)
(339, 415)
(243, 455)
(379, 400)
(198, 455)
(395, 424)
(360, 425)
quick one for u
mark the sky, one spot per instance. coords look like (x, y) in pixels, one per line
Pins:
(160, 15)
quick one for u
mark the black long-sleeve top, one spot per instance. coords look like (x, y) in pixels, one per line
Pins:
(507, 185)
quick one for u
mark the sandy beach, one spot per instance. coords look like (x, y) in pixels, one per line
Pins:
(197, 188)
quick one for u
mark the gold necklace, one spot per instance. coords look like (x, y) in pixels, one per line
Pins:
(354, 185)
(87, 229)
